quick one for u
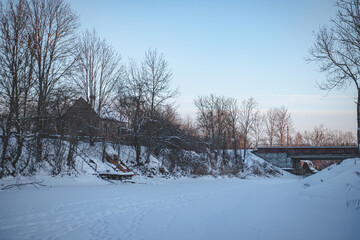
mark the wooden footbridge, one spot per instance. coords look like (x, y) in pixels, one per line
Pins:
(289, 158)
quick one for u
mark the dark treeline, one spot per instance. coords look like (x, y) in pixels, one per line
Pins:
(46, 64)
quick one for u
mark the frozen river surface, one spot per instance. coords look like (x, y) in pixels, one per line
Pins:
(320, 207)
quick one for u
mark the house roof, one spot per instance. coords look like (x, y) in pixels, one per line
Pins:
(81, 106)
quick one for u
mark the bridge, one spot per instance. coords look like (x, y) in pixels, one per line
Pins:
(289, 157)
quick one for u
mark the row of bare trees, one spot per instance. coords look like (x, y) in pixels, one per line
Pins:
(321, 136)
(221, 120)
(223, 124)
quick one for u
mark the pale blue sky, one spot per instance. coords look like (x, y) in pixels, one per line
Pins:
(232, 48)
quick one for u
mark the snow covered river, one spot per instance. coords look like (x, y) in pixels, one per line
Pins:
(205, 208)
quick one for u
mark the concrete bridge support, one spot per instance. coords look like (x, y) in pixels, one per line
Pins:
(277, 159)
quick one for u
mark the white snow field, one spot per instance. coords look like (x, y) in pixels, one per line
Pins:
(323, 206)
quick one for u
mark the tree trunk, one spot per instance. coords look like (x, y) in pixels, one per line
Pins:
(38, 148)
(151, 131)
(358, 119)
(244, 147)
(19, 147)
(6, 139)
(235, 145)
(39, 124)
(3, 154)
(149, 146)
(138, 154)
(70, 157)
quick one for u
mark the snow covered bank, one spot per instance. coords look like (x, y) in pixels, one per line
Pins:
(177, 163)
(82, 159)
(337, 182)
(187, 208)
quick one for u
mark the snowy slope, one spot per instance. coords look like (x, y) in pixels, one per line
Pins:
(337, 182)
(94, 153)
(258, 167)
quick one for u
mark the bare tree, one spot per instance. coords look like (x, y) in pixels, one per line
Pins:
(299, 140)
(258, 128)
(307, 137)
(222, 122)
(337, 51)
(233, 119)
(206, 120)
(131, 103)
(145, 93)
(270, 122)
(278, 126)
(15, 70)
(319, 135)
(283, 125)
(212, 119)
(99, 69)
(53, 28)
(247, 119)
(157, 76)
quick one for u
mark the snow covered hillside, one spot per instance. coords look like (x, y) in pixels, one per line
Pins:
(170, 164)
(323, 206)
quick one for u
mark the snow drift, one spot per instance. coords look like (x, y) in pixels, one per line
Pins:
(336, 182)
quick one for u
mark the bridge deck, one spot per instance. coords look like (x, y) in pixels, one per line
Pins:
(310, 150)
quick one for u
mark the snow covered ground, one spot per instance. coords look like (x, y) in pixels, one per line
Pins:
(323, 206)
